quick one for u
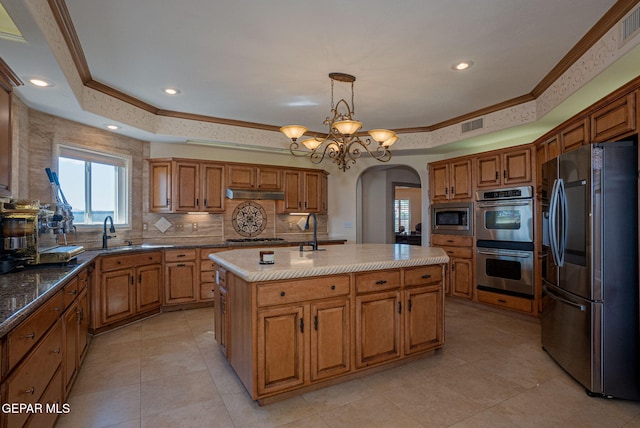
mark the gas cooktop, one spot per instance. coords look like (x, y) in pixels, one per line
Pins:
(256, 240)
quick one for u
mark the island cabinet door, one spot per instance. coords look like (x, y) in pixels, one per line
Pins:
(281, 337)
(377, 328)
(423, 319)
(330, 339)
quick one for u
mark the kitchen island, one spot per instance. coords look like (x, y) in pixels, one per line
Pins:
(315, 318)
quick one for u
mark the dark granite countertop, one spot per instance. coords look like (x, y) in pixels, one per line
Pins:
(25, 290)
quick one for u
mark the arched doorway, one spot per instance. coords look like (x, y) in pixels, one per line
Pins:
(376, 189)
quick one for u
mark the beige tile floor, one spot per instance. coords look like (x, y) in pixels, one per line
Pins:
(166, 371)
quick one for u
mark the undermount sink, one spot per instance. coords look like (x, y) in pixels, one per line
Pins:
(155, 246)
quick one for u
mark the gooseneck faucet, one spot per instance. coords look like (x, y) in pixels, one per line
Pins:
(112, 229)
(314, 244)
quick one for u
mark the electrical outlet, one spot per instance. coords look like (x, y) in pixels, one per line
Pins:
(145, 227)
(179, 227)
(194, 227)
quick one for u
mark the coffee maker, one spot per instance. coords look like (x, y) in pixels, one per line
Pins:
(18, 233)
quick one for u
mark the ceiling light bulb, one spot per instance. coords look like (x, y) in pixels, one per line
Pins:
(113, 127)
(463, 65)
(171, 91)
(39, 82)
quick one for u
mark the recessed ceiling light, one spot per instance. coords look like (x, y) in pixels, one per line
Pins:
(462, 65)
(171, 91)
(113, 127)
(40, 83)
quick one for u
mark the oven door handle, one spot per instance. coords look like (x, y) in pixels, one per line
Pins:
(561, 299)
(506, 254)
(517, 203)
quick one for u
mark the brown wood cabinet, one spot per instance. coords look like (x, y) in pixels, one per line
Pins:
(504, 168)
(5, 137)
(304, 191)
(206, 291)
(450, 180)
(423, 303)
(257, 177)
(574, 135)
(183, 185)
(460, 271)
(614, 120)
(130, 285)
(181, 276)
(221, 314)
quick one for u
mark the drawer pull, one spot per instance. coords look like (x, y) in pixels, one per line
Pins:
(30, 390)
(502, 301)
(333, 287)
(426, 276)
(180, 265)
(56, 309)
(382, 281)
(181, 255)
(56, 351)
(119, 262)
(30, 336)
(73, 292)
(450, 240)
(282, 294)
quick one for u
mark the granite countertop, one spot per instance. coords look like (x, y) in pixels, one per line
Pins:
(25, 290)
(292, 263)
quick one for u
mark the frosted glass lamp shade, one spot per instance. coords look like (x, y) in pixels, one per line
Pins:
(389, 142)
(347, 127)
(311, 143)
(293, 131)
(381, 135)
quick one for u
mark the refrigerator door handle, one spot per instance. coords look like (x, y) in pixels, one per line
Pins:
(560, 299)
(564, 221)
(553, 212)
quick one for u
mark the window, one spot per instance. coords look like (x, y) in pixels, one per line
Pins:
(402, 215)
(95, 185)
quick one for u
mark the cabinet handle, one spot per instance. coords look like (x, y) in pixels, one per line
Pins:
(301, 325)
(333, 287)
(504, 173)
(180, 265)
(497, 175)
(30, 336)
(73, 292)
(453, 190)
(206, 203)
(139, 278)
(197, 201)
(381, 282)
(282, 294)
(315, 323)
(132, 279)
(56, 351)
(119, 262)
(30, 390)
(167, 201)
(56, 309)
(426, 276)
(502, 301)
(446, 190)
(399, 307)
(410, 305)
(181, 255)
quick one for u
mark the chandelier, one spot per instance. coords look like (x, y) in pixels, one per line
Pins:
(341, 144)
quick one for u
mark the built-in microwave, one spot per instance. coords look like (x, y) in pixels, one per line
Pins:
(453, 218)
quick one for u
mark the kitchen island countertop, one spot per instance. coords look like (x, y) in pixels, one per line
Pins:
(293, 263)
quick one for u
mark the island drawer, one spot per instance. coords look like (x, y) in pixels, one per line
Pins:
(367, 282)
(463, 253)
(124, 262)
(302, 290)
(22, 338)
(179, 255)
(422, 275)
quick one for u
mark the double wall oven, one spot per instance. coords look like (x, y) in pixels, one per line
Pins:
(504, 247)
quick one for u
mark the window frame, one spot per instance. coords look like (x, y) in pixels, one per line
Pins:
(124, 185)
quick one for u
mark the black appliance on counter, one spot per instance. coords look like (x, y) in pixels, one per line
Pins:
(590, 267)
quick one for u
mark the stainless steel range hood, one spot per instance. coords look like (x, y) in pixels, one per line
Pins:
(254, 194)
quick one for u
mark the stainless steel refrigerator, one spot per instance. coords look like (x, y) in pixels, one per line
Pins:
(590, 267)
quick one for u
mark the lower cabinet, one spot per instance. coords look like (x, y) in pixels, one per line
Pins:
(129, 286)
(460, 270)
(423, 326)
(377, 327)
(181, 275)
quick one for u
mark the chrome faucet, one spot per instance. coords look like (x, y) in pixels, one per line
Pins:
(314, 244)
(112, 229)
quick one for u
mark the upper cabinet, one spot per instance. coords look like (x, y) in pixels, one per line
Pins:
(304, 191)
(186, 186)
(5, 137)
(256, 177)
(614, 120)
(574, 135)
(504, 168)
(450, 180)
